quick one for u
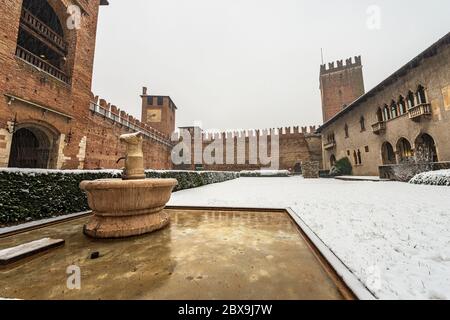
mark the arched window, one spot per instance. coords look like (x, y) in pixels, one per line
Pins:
(387, 153)
(394, 111)
(410, 100)
(401, 105)
(41, 39)
(425, 149)
(359, 157)
(379, 115)
(346, 130)
(386, 112)
(404, 150)
(421, 95)
(362, 123)
(355, 157)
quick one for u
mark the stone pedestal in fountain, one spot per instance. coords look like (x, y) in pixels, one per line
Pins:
(130, 206)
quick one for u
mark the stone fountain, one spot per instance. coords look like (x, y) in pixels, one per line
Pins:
(130, 206)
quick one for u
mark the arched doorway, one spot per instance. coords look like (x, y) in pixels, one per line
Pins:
(387, 154)
(298, 168)
(404, 151)
(426, 149)
(31, 148)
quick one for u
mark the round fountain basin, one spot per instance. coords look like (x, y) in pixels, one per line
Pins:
(123, 208)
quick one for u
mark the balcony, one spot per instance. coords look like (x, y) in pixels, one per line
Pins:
(420, 111)
(379, 127)
(329, 145)
(41, 64)
(40, 30)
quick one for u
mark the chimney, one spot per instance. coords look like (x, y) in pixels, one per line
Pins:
(144, 91)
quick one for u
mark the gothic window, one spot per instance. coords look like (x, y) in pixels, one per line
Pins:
(346, 130)
(362, 123)
(387, 114)
(410, 100)
(359, 157)
(421, 96)
(402, 105)
(379, 115)
(394, 111)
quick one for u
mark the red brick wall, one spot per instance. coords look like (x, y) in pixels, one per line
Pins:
(25, 81)
(166, 123)
(104, 148)
(296, 145)
(340, 85)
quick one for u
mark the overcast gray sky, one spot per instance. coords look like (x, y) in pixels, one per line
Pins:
(252, 63)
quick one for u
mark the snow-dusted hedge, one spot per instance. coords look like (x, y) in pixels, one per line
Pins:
(435, 178)
(265, 173)
(27, 195)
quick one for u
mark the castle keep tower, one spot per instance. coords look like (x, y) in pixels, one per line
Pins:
(340, 85)
(158, 112)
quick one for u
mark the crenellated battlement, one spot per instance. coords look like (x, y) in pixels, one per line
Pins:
(113, 113)
(340, 65)
(285, 132)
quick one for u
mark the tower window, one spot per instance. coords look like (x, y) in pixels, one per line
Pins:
(150, 100)
(160, 101)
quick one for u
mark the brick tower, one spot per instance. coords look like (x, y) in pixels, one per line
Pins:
(340, 85)
(158, 112)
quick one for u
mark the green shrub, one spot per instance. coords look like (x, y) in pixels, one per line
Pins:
(343, 167)
(27, 195)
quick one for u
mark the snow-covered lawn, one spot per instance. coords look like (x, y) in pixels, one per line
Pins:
(395, 237)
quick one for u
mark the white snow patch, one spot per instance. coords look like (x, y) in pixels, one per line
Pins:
(436, 178)
(393, 236)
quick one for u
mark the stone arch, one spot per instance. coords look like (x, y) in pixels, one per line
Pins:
(404, 150)
(425, 148)
(56, 52)
(387, 154)
(34, 146)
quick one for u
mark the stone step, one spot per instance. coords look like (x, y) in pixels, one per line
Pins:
(14, 254)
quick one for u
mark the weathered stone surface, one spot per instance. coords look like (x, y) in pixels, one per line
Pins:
(124, 208)
(311, 169)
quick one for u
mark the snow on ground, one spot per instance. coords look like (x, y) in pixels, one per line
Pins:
(395, 237)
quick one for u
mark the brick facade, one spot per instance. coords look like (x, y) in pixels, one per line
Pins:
(39, 101)
(296, 145)
(340, 84)
(106, 123)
